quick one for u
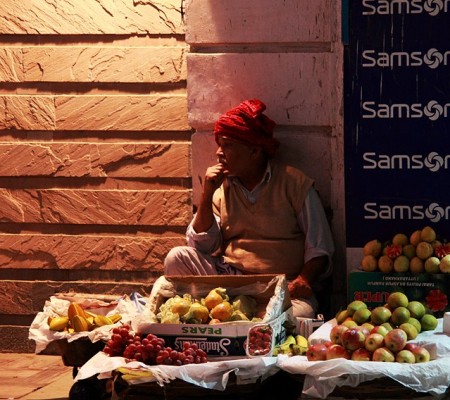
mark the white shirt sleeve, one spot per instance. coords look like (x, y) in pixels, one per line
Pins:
(313, 222)
(206, 242)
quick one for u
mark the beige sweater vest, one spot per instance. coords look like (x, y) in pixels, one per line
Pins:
(264, 238)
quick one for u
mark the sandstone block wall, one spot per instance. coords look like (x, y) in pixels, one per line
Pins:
(99, 170)
(94, 151)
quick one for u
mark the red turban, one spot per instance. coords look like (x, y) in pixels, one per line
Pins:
(247, 124)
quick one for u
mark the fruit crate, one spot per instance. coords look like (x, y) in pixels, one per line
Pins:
(374, 288)
(78, 352)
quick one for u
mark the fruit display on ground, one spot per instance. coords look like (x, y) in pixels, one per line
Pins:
(150, 349)
(422, 251)
(384, 333)
(80, 320)
(215, 307)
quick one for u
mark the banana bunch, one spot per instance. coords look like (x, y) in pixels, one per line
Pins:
(80, 320)
(292, 346)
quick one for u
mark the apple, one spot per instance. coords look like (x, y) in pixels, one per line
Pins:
(385, 264)
(410, 329)
(374, 341)
(381, 329)
(415, 239)
(401, 264)
(337, 351)
(369, 263)
(409, 251)
(416, 309)
(368, 326)
(361, 354)
(388, 326)
(380, 315)
(400, 239)
(410, 346)
(361, 316)
(444, 265)
(397, 299)
(421, 354)
(405, 356)
(396, 339)
(428, 234)
(341, 316)
(383, 354)
(432, 265)
(373, 248)
(364, 330)
(316, 352)
(416, 265)
(424, 250)
(336, 333)
(400, 315)
(353, 339)
(356, 305)
(349, 323)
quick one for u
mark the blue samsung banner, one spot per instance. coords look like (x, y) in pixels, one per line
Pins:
(397, 118)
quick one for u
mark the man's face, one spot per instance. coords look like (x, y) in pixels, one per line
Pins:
(234, 155)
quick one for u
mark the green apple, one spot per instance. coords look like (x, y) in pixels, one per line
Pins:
(400, 316)
(416, 309)
(428, 322)
(380, 314)
(411, 331)
(354, 306)
(397, 299)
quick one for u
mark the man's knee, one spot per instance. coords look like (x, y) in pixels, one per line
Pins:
(175, 259)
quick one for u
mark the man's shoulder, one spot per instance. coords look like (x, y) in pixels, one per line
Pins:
(288, 170)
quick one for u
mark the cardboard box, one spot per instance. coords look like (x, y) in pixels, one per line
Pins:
(228, 338)
(374, 288)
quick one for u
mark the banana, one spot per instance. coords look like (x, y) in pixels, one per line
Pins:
(100, 320)
(115, 318)
(80, 324)
(75, 309)
(58, 323)
(302, 342)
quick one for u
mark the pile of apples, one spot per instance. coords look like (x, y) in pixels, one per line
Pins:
(382, 334)
(422, 251)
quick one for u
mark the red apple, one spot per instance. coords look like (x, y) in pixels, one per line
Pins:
(336, 333)
(316, 352)
(374, 341)
(380, 329)
(421, 354)
(328, 343)
(395, 340)
(410, 346)
(361, 354)
(405, 356)
(337, 351)
(383, 354)
(364, 330)
(353, 339)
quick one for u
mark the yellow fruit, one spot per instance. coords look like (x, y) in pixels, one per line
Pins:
(80, 324)
(397, 299)
(222, 311)
(115, 318)
(213, 299)
(101, 320)
(75, 309)
(58, 323)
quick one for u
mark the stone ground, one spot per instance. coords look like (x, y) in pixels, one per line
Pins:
(34, 377)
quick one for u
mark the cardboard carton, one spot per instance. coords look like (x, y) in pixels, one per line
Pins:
(374, 288)
(227, 338)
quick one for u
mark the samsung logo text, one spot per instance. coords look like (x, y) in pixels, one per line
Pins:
(434, 212)
(393, 7)
(432, 58)
(433, 161)
(432, 110)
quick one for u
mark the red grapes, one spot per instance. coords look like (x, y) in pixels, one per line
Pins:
(151, 349)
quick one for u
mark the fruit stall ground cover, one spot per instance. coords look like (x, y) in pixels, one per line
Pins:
(321, 377)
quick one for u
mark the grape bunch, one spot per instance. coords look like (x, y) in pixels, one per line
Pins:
(151, 349)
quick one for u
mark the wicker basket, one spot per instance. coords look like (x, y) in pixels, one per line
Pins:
(78, 352)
